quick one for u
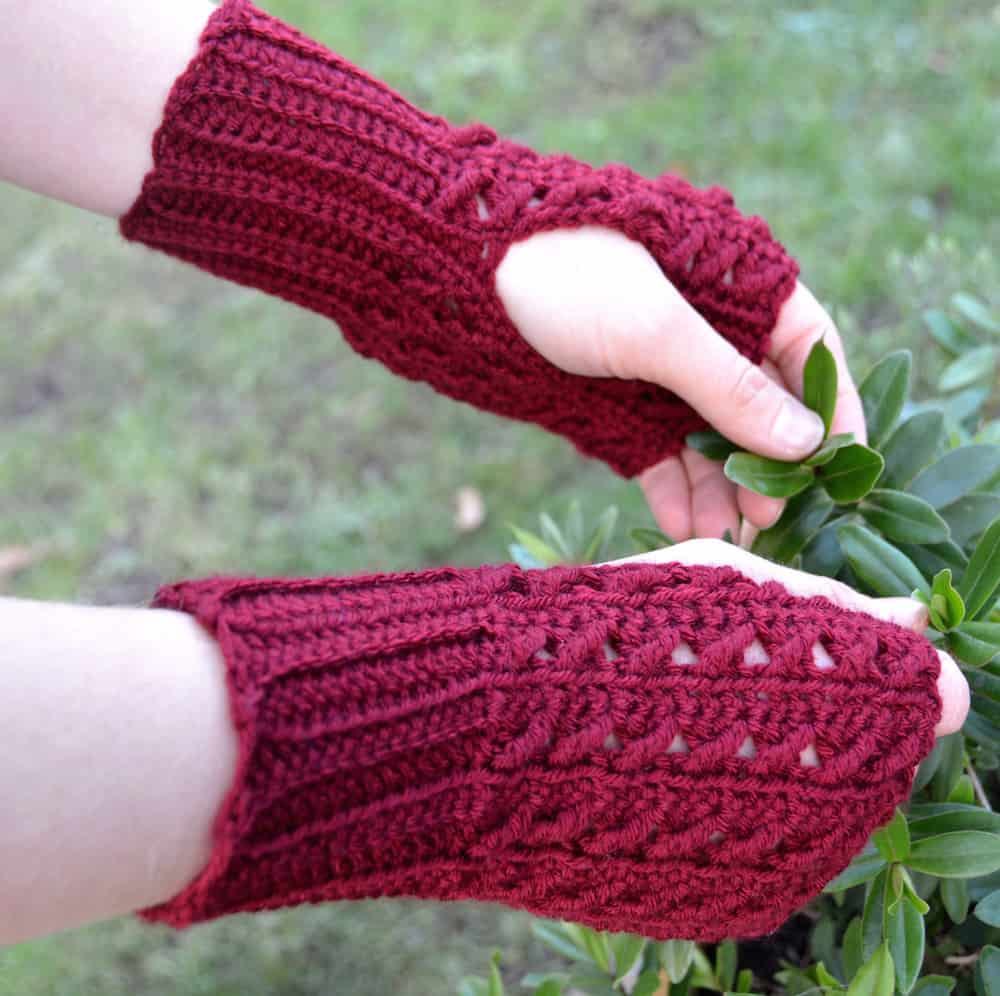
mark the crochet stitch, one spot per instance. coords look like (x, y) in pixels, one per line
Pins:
(671, 750)
(281, 166)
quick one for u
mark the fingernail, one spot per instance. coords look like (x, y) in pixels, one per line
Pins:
(797, 428)
(954, 692)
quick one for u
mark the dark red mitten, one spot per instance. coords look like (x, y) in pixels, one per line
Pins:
(280, 165)
(675, 751)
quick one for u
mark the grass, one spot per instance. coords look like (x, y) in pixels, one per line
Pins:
(159, 423)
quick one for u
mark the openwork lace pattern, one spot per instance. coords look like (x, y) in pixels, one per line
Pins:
(672, 750)
(281, 166)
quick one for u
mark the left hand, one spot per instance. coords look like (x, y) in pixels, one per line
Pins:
(594, 302)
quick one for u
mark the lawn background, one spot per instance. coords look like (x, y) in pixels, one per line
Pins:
(159, 423)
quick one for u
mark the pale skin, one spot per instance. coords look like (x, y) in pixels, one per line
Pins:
(118, 748)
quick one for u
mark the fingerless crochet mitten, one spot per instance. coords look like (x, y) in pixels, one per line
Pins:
(670, 750)
(280, 165)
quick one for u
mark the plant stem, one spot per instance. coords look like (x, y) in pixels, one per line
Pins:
(977, 787)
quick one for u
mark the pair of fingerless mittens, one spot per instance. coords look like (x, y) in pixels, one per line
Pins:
(670, 750)
(280, 165)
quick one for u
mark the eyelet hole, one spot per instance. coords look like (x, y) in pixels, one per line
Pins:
(808, 757)
(748, 749)
(678, 745)
(482, 208)
(612, 743)
(683, 654)
(822, 660)
(756, 655)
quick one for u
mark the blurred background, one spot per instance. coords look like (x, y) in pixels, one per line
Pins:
(160, 423)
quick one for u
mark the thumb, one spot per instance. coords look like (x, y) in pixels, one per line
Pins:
(730, 392)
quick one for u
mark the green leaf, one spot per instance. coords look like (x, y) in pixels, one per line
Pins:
(556, 938)
(927, 768)
(676, 958)
(947, 610)
(950, 768)
(650, 539)
(540, 978)
(852, 473)
(594, 942)
(968, 648)
(877, 976)
(819, 391)
(825, 978)
(975, 311)
(537, 547)
(803, 515)
(523, 559)
(970, 515)
(828, 449)
(627, 950)
(883, 394)
(988, 909)
(932, 819)
(773, 478)
(822, 554)
(987, 973)
(574, 524)
(914, 444)
(946, 333)
(551, 987)
(743, 981)
(980, 729)
(471, 986)
(862, 869)
(851, 954)
(893, 840)
(873, 915)
(711, 444)
(982, 576)
(977, 364)
(955, 896)
(647, 984)
(955, 474)
(496, 983)
(596, 545)
(595, 985)
(905, 937)
(903, 518)
(934, 985)
(726, 956)
(935, 557)
(878, 564)
(553, 535)
(963, 854)
(962, 405)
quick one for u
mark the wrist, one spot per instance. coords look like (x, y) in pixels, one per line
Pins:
(81, 131)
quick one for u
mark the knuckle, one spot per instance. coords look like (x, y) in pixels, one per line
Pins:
(751, 388)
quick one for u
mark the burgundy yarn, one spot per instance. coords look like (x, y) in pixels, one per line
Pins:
(280, 165)
(609, 744)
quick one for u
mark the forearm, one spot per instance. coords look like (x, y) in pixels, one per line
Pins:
(116, 754)
(82, 89)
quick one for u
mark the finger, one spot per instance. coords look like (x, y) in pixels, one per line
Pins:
(713, 497)
(902, 611)
(725, 388)
(748, 533)
(759, 510)
(802, 322)
(954, 692)
(668, 494)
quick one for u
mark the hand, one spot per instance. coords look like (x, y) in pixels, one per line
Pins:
(907, 612)
(594, 302)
